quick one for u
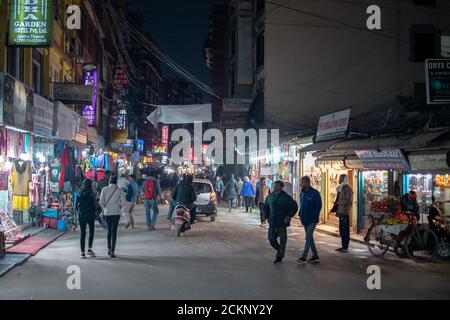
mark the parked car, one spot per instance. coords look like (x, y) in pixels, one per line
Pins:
(206, 198)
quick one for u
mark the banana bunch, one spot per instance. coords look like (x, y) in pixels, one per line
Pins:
(391, 221)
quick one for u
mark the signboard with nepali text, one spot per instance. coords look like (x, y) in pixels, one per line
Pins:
(437, 74)
(90, 110)
(30, 23)
(333, 125)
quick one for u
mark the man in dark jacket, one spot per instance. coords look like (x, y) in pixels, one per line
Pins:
(184, 194)
(279, 209)
(310, 206)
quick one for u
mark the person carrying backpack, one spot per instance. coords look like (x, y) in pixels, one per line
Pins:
(131, 197)
(152, 192)
(231, 192)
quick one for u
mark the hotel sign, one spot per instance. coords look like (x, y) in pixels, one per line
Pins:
(30, 23)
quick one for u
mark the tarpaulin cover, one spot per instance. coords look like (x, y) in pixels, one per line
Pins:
(180, 114)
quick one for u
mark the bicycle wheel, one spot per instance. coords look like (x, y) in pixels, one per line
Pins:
(421, 245)
(375, 241)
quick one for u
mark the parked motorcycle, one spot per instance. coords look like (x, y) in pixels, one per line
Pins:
(437, 224)
(181, 220)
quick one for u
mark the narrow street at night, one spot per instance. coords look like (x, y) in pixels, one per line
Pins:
(226, 259)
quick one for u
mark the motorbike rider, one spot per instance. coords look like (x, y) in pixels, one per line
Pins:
(184, 194)
(409, 203)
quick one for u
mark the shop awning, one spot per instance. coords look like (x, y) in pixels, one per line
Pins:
(353, 162)
(392, 142)
(320, 146)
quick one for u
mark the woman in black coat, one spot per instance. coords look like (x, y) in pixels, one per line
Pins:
(87, 206)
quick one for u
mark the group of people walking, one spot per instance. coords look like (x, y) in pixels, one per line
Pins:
(243, 193)
(279, 208)
(117, 198)
(276, 207)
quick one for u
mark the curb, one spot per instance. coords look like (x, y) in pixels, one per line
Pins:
(336, 234)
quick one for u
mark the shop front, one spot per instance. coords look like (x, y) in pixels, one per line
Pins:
(429, 178)
(16, 149)
(332, 168)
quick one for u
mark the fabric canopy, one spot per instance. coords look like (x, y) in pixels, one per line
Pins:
(181, 114)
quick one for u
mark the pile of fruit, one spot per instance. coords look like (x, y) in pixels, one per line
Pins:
(387, 204)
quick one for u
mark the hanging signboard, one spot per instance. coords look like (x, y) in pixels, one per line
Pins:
(383, 159)
(333, 125)
(30, 23)
(237, 105)
(72, 93)
(43, 116)
(65, 120)
(120, 80)
(437, 74)
(232, 120)
(17, 104)
(90, 110)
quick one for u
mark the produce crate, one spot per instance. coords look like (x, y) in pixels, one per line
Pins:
(393, 229)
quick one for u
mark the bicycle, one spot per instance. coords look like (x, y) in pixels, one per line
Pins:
(412, 239)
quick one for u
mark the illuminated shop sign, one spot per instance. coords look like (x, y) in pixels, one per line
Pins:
(30, 23)
(90, 111)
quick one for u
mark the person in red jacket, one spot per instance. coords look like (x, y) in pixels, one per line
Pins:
(152, 193)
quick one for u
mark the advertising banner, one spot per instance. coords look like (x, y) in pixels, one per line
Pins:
(181, 114)
(30, 23)
(43, 116)
(437, 73)
(333, 125)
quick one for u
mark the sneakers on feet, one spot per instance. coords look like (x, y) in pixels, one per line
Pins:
(83, 256)
(314, 259)
(91, 253)
(112, 255)
(301, 260)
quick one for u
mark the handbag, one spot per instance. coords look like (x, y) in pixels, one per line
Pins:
(335, 205)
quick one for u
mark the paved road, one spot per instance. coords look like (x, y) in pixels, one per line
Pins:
(226, 259)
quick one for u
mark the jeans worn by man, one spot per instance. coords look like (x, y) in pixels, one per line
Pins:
(279, 208)
(309, 242)
(274, 235)
(151, 204)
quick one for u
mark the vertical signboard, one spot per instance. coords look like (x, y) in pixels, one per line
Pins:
(30, 23)
(165, 136)
(437, 73)
(90, 111)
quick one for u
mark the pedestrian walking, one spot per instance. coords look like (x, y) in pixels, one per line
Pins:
(248, 193)
(310, 206)
(279, 209)
(219, 189)
(240, 184)
(86, 205)
(152, 193)
(112, 200)
(343, 207)
(131, 197)
(231, 192)
(123, 181)
(262, 192)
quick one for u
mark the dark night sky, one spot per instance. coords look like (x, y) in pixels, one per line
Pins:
(180, 28)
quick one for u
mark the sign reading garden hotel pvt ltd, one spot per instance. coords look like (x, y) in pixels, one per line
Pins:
(30, 23)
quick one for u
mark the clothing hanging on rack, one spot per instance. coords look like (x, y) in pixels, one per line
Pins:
(20, 179)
